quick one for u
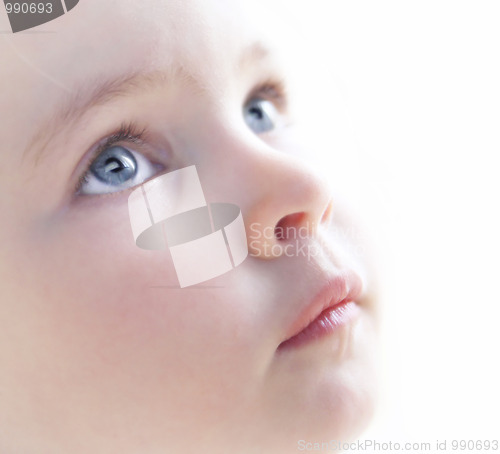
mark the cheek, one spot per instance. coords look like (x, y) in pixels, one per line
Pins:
(112, 322)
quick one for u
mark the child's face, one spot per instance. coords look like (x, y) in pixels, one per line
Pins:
(100, 350)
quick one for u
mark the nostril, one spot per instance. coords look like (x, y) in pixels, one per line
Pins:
(288, 226)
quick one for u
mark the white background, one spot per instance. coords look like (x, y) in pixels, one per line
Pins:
(418, 85)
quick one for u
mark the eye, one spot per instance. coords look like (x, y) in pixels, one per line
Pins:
(260, 115)
(117, 164)
(114, 169)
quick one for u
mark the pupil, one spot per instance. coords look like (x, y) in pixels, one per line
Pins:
(257, 112)
(113, 165)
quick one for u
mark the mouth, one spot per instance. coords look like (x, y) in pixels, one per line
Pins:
(333, 307)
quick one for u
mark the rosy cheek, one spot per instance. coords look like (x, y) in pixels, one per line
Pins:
(102, 291)
(92, 267)
(115, 319)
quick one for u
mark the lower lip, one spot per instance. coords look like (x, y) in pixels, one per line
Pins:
(329, 321)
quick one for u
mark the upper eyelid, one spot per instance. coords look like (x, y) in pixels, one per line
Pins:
(271, 90)
(126, 133)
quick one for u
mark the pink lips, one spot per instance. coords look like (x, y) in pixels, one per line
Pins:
(332, 307)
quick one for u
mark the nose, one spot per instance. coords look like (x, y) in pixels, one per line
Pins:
(286, 199)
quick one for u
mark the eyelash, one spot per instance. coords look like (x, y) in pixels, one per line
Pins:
(129, 133)
(273, 90)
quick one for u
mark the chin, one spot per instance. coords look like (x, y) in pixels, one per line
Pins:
(343, 399)
(346, 413)
(325, 398)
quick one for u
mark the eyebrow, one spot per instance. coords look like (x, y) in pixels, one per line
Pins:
(92, 94)
(96, 93)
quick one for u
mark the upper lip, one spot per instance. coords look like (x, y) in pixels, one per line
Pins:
(343, 287)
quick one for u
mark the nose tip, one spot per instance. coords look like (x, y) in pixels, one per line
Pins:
(293, 204)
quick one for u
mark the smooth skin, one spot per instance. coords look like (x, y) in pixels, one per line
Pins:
(99, 351)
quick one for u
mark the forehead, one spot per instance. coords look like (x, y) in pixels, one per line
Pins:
(116, 36)
(110, 38)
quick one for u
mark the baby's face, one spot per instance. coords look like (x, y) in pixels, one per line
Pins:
(100, 348)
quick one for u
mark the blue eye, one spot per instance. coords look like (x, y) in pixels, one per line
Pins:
(114, 166)
(260, 115)
(114, 169)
